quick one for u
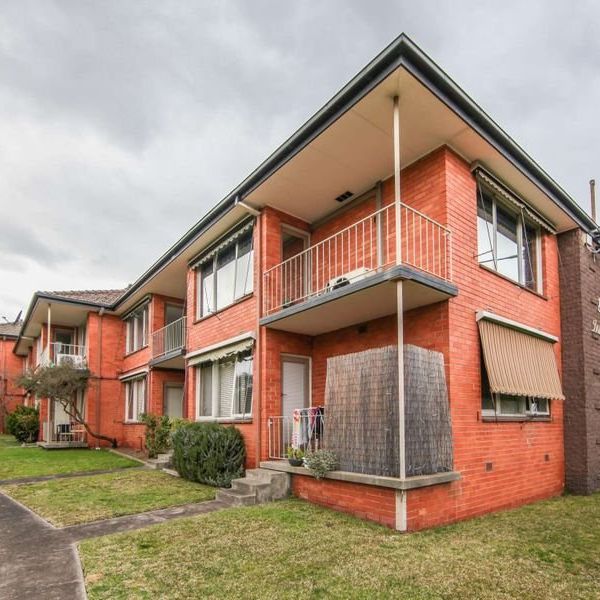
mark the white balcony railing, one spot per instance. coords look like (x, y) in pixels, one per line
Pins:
(304, 430)
(59, 354)
(64, 432)
(169, 339)
(352, 254)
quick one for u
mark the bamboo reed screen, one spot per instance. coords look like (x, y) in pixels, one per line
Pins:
(361, 412)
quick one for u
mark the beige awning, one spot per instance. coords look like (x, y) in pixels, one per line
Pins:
(518, 362)
(223, 351)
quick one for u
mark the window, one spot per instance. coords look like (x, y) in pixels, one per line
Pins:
(135, 399)
(224, 388)
(505, 405)
(507, 242)
(137, 329)
(225, 277)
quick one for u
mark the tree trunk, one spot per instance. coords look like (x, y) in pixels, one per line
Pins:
(71, 409)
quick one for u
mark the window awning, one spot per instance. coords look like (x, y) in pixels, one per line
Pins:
(520, 205)
(226, 241)
(222, 352)
(519, 363)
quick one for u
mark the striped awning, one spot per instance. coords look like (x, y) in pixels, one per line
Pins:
(519, 363)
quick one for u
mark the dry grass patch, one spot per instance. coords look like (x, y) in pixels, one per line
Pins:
(296, 550)
(66, 502)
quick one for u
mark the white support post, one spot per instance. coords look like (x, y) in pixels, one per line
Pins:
(401, 496)
(49, 330)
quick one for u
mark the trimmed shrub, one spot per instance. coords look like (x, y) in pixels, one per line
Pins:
(208, 453)
(24, 423)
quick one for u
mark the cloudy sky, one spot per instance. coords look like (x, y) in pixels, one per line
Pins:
(122, 122)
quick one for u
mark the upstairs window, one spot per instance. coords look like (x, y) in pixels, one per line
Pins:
(226, 276)
(135, 399)
(507, 242)
(224, 388)
(137, 329)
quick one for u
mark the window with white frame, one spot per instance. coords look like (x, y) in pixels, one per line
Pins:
(224, 388)
(507, 241)
(135, 398)
(226, 276)
(506, 405)
(137, 329)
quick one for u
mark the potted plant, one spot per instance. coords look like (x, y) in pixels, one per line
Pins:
(295, 456)
(320, 462)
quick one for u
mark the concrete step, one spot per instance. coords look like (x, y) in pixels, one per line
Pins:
(259, 485)
(260, 490)
(235, 498)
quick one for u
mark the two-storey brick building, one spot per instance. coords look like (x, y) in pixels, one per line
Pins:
(386, 286)
(11, 368)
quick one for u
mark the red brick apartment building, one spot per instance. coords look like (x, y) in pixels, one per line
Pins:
(384, 285)
(11, 368)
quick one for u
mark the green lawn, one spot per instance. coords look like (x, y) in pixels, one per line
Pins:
(84, 499)
(7, 441)
(292, 549)
(17, 462)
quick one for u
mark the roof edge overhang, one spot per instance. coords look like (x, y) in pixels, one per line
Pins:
(402, 52)
(40, 297)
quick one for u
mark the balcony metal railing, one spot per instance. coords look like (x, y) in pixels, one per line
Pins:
(59, 354)
(169, 339)
(356, 252)
(305, 429)
(64, 432)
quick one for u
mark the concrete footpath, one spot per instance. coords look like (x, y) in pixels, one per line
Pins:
(38, 560)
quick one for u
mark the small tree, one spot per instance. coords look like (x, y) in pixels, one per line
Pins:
(63, 384)
(158, 433)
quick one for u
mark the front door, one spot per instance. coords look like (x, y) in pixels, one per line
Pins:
(174, 401)
(295, 388)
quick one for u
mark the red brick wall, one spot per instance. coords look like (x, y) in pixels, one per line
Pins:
(105, 402)
(364, 501)
(527, 458)
(11, 368)
(517, 451)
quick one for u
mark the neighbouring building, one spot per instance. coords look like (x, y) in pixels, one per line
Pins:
(133, 353)
(11, 368)
(580, 325)
(385, 285)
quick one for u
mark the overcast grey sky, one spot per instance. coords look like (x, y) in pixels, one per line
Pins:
(122, 122)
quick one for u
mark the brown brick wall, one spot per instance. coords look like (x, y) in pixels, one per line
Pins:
(580, 290)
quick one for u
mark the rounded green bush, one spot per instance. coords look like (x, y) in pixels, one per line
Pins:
(209, 453)
(24, 423)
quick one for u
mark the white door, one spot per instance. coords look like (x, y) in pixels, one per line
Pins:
(295, 392)
(174, 401)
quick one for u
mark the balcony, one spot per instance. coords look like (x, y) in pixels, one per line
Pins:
(59, 354)
(168, 344)
(63, 435)
(358, 264)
